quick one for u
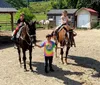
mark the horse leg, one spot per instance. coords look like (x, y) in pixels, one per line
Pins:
(30, 58)
(67, 50)
(24, 59)
(62, 52)
(19, 56)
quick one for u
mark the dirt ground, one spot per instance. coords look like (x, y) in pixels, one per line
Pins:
(83, 63)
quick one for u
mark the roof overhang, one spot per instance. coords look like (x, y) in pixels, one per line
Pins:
(91, 11)
(59, 11)
(8, 10)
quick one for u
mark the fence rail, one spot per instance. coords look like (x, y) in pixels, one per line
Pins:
(4, 25)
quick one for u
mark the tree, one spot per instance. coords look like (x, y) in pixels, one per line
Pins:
(59, 4)
(72, 3)
(94, 4)
(28, 14)
(18, 3)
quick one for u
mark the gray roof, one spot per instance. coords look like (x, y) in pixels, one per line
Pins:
(59, 11)
(6, 7)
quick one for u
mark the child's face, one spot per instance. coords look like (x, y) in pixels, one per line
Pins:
(48, 38)
(22, 17)
(64, 14)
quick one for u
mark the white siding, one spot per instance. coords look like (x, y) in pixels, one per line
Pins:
(83, 19)
(58, 20)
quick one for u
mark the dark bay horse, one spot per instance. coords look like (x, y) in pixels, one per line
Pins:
(25, 43)
(32, 30)
(65, 38)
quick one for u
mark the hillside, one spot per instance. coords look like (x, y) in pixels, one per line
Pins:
(37, 0)
(40, 7)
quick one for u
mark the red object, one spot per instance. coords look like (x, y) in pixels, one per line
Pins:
(93, 12)
(16, 30)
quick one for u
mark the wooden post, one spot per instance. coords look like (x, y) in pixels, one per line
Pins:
(12, 23)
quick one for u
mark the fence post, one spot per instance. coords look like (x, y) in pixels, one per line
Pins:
(12, 23)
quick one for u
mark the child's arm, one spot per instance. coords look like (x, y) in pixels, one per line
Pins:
(62, 20)
(38, 46)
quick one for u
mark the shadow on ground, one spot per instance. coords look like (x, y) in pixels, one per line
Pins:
(59, 74)
(5, 42)
(87, 63)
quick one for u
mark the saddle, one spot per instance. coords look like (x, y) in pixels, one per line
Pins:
(18, 34)
(69, 33)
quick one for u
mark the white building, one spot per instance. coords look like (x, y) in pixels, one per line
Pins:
(86, 18)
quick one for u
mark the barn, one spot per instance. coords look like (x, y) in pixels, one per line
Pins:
(86, 18)
(55, 14)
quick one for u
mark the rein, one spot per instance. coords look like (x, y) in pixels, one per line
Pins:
(26, 40)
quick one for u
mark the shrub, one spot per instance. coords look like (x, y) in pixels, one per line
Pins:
(28, 14)
(98, 26)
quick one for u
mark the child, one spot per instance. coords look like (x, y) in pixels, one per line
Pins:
(48, 52)
(19, 23)
(64, 20)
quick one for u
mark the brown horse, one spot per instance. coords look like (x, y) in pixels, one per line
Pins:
(65, 38)
(25, 42)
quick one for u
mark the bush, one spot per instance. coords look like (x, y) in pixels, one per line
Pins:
(98, 26)
(28, 14)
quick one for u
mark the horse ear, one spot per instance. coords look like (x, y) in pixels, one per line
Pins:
(35, 21)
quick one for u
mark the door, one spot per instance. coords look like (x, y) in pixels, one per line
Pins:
(83, 21)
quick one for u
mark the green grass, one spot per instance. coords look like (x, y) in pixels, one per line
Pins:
(5, 21)
(6, 27)
(38, 9)
(40, 16)
(4, 17)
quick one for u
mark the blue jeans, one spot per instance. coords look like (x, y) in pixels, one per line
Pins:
(48, 60)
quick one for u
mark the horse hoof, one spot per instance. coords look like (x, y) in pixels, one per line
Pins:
(62, 62)
(25, 70)
(66, 63)
(31, 69)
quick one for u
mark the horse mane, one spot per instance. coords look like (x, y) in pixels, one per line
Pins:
(24, 31)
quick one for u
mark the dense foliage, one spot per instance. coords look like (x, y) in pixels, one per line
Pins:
(40, 7)
(46, 5)
(28, 14)
(18, 3)
(95, 4)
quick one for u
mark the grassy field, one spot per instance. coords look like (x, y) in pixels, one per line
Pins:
(5, 20)
(38, 8)
(4, 17)
(40, 16)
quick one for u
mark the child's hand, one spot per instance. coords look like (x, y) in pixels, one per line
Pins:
(38, 46)
(35, 44)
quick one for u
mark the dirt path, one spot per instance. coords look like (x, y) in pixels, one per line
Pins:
(83, 63)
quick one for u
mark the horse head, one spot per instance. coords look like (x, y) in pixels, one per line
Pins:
(32, 30)
(32, 27)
